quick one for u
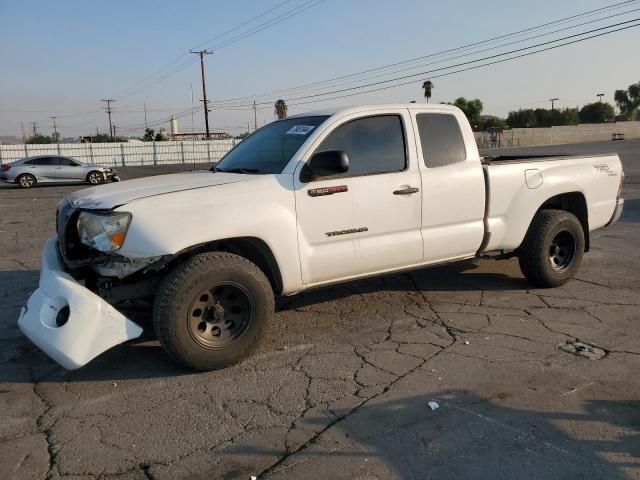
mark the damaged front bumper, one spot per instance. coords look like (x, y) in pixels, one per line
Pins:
(67, 321)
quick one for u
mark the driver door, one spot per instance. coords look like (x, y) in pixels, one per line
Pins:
(366, 220)
(68, 170)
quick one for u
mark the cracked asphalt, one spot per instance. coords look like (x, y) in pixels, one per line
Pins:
(340, 385)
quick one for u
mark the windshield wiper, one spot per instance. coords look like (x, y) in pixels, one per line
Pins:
(238, 170)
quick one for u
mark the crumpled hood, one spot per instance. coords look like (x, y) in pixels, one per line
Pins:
(111, 195)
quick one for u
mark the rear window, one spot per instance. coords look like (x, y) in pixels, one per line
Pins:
(441, 139)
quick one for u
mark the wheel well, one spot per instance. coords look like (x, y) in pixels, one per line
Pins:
(251, 248)
(575, 203)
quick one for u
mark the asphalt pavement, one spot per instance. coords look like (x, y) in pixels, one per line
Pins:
(457, 372)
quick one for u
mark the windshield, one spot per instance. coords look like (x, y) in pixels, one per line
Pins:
(269, 149)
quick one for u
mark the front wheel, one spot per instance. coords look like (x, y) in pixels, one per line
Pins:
(552, 249)
(210, 312)
(95, 178)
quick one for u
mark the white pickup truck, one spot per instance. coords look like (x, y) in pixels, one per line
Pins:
(306, 201)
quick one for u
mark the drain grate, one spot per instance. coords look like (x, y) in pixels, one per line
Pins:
(585, 350)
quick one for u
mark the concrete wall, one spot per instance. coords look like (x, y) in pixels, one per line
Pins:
(595, 132)
(128, 153)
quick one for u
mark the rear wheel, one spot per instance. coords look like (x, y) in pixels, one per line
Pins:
(26, 180)
(210, 312)
(95, 178)
(553, 248)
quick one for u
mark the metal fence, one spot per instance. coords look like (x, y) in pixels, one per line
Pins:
(128, 153)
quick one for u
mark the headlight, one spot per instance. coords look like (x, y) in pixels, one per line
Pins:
(104, 232)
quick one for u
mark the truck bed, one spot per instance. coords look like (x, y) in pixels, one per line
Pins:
(518, 186)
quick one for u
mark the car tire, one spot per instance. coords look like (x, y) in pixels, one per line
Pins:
(210, 311)
(26, 180)
(553, 248)
(95, 178)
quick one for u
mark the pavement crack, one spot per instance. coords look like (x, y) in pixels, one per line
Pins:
(274, 467)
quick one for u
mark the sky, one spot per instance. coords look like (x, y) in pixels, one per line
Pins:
(61, 58)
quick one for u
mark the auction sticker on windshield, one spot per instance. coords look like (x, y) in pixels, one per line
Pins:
(300, 130)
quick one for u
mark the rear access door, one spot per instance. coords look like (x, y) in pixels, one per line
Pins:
(453, 186)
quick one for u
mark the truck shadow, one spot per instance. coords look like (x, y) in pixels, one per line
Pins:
(468, 436)
(631, 212)
(21, 361)
(457, 277)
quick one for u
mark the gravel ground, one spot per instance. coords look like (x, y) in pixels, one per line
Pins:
(340, 386)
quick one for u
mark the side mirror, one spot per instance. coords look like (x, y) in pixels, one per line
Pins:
(325, 164)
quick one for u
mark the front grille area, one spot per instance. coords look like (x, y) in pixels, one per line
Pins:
(64, 220)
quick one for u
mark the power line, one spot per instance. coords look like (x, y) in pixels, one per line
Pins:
(428, 72)
(451, 50)
(324, 94)
(475, 67)
(237, 27)
(146, 83)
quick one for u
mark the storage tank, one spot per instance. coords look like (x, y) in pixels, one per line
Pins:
(174, 126)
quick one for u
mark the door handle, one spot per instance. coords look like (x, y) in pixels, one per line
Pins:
(406, 191)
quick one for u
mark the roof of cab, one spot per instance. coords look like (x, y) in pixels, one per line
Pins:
(376, 107)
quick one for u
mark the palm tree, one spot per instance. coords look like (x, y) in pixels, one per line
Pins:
(427, 87)
(281, 110)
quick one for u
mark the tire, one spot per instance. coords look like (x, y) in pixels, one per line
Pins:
(553, 248)
(26, 180)
(95, 178)
(211, 310)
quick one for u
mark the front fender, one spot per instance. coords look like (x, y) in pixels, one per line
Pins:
(263, 207)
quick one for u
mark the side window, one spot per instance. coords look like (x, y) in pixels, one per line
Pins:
(41, 161)
(373, 144)
(441, 139)
(66, 162)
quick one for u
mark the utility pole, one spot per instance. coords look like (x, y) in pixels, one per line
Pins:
(255, 117)
(108, 109)
(24, 138)
(55, 129)
(35, 128)
(202, 53)
(553, 102)
(145, 116)
(114, 131)
(600, 95)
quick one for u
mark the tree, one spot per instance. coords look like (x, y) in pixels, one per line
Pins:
(522, 119)
(280, 109)
(149, 133)
(105, 138)
(490, 121)
(542, 117)
(628, 101)
(598, 112)
(428, 87)
(471, 108)
(40, 139)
